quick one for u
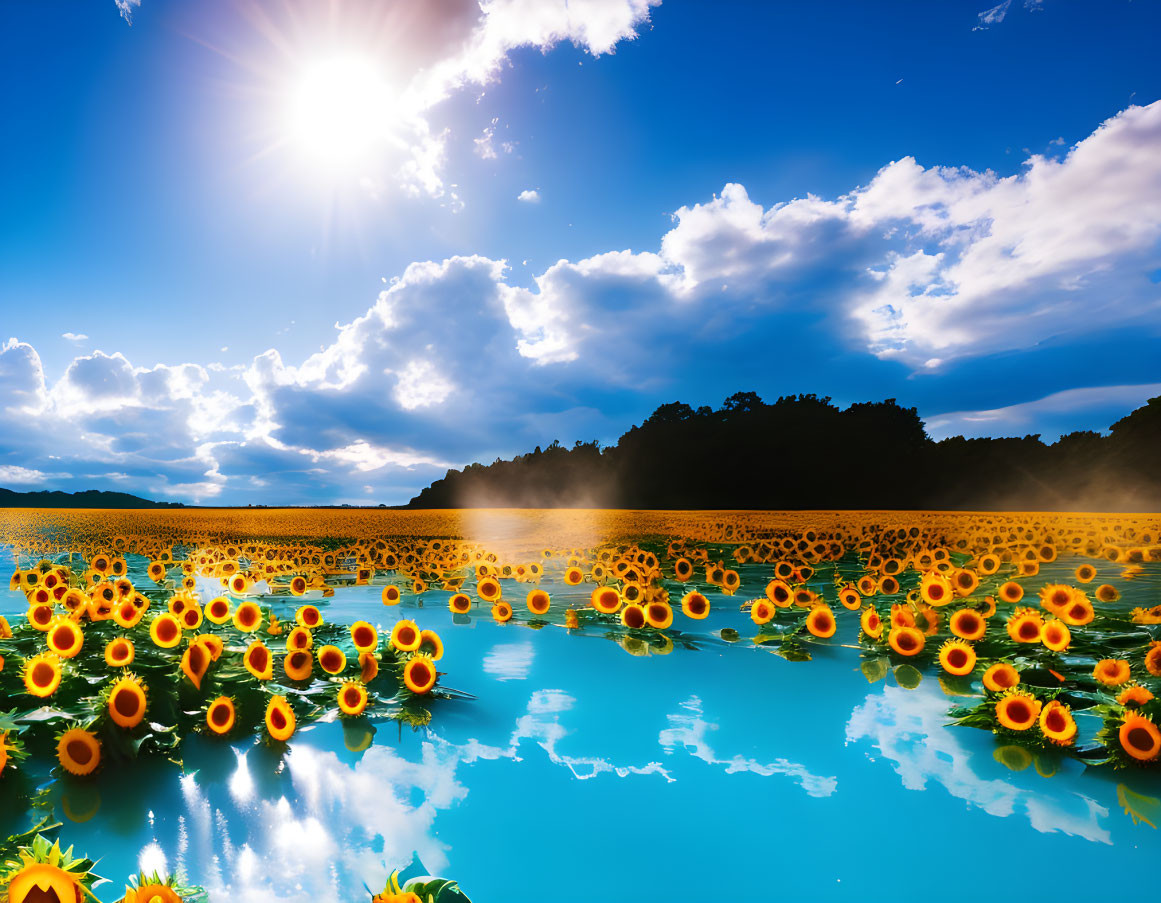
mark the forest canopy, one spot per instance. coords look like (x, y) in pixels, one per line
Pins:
(803, 451)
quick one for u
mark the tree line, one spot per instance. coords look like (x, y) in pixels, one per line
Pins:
(804, 452)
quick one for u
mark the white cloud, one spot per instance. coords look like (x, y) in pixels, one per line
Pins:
(688, 730)
(529, 196)
(1084, 405)
(126, 8)
(455, 363)
(74, 336)
(426, 53)
(12, 473)
(509, 661)
(993, 16)
(909, 728)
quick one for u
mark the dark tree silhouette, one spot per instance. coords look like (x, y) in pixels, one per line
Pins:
(802, 451)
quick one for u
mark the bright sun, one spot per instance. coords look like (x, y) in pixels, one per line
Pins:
(339, 110)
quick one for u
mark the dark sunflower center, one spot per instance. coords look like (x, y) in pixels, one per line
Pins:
(79, 752)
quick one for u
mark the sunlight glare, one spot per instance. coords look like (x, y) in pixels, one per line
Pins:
(338, 111)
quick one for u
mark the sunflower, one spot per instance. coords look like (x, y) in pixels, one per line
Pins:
(191, 618)
(988, 564)
(119, 652)
(1107, 593)
(902, 615)
(871, 623)
(906, 641)
(1017, 711)
(126, 702)
(248, 617)
(683, 569)
(308, 616)
(195, 661)
(368, 667)
(1055, 596)
(850, 598)
(605, 599)
(1134, 695)
(501, 611)
(928, 620)
(659, 615)
(1028, 568)
(867, 585)
(151, 891)
(1000, 677)
(820, 622)
(1112, 672)
(10, 750)
(364, 636)
(935, 589)
(217, 611)
(1011, 592)
(128, 614)
(489, 589)
(633, 616)
(538, 602)
(42, 674)
(957, 657)
(695, 605)
(258, 660)
(1085, 573)
(888, 586)
(78, 751)
(405, 636)
(762, 611)
(51, 875)
(1139, 737)
(459, 603)
(352, 698)
(1153, 658)
(968, 624)
(419, 674)
(41, 615)
(1078, 612)
(1055, 635)
(1024, 625)
(391, 594)
(332, 659)
(64, 638)
(1057, 724)
(965, 582)
(780, 593)
(298, 665)
(221, 716)
(280, 720)
(299, 638)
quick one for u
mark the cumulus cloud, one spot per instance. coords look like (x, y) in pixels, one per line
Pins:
(529, 196)
(12, 473)
(73, 336)
(921, 271)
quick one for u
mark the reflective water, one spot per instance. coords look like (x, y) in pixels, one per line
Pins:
(582, 772)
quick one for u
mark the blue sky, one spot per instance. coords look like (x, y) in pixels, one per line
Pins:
(292, 252)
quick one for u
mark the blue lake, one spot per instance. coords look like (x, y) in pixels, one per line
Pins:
(582, 771)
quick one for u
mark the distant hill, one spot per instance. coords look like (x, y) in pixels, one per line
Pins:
(802, 452)
(90, 498)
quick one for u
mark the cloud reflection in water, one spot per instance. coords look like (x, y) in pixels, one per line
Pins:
(910, 727)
